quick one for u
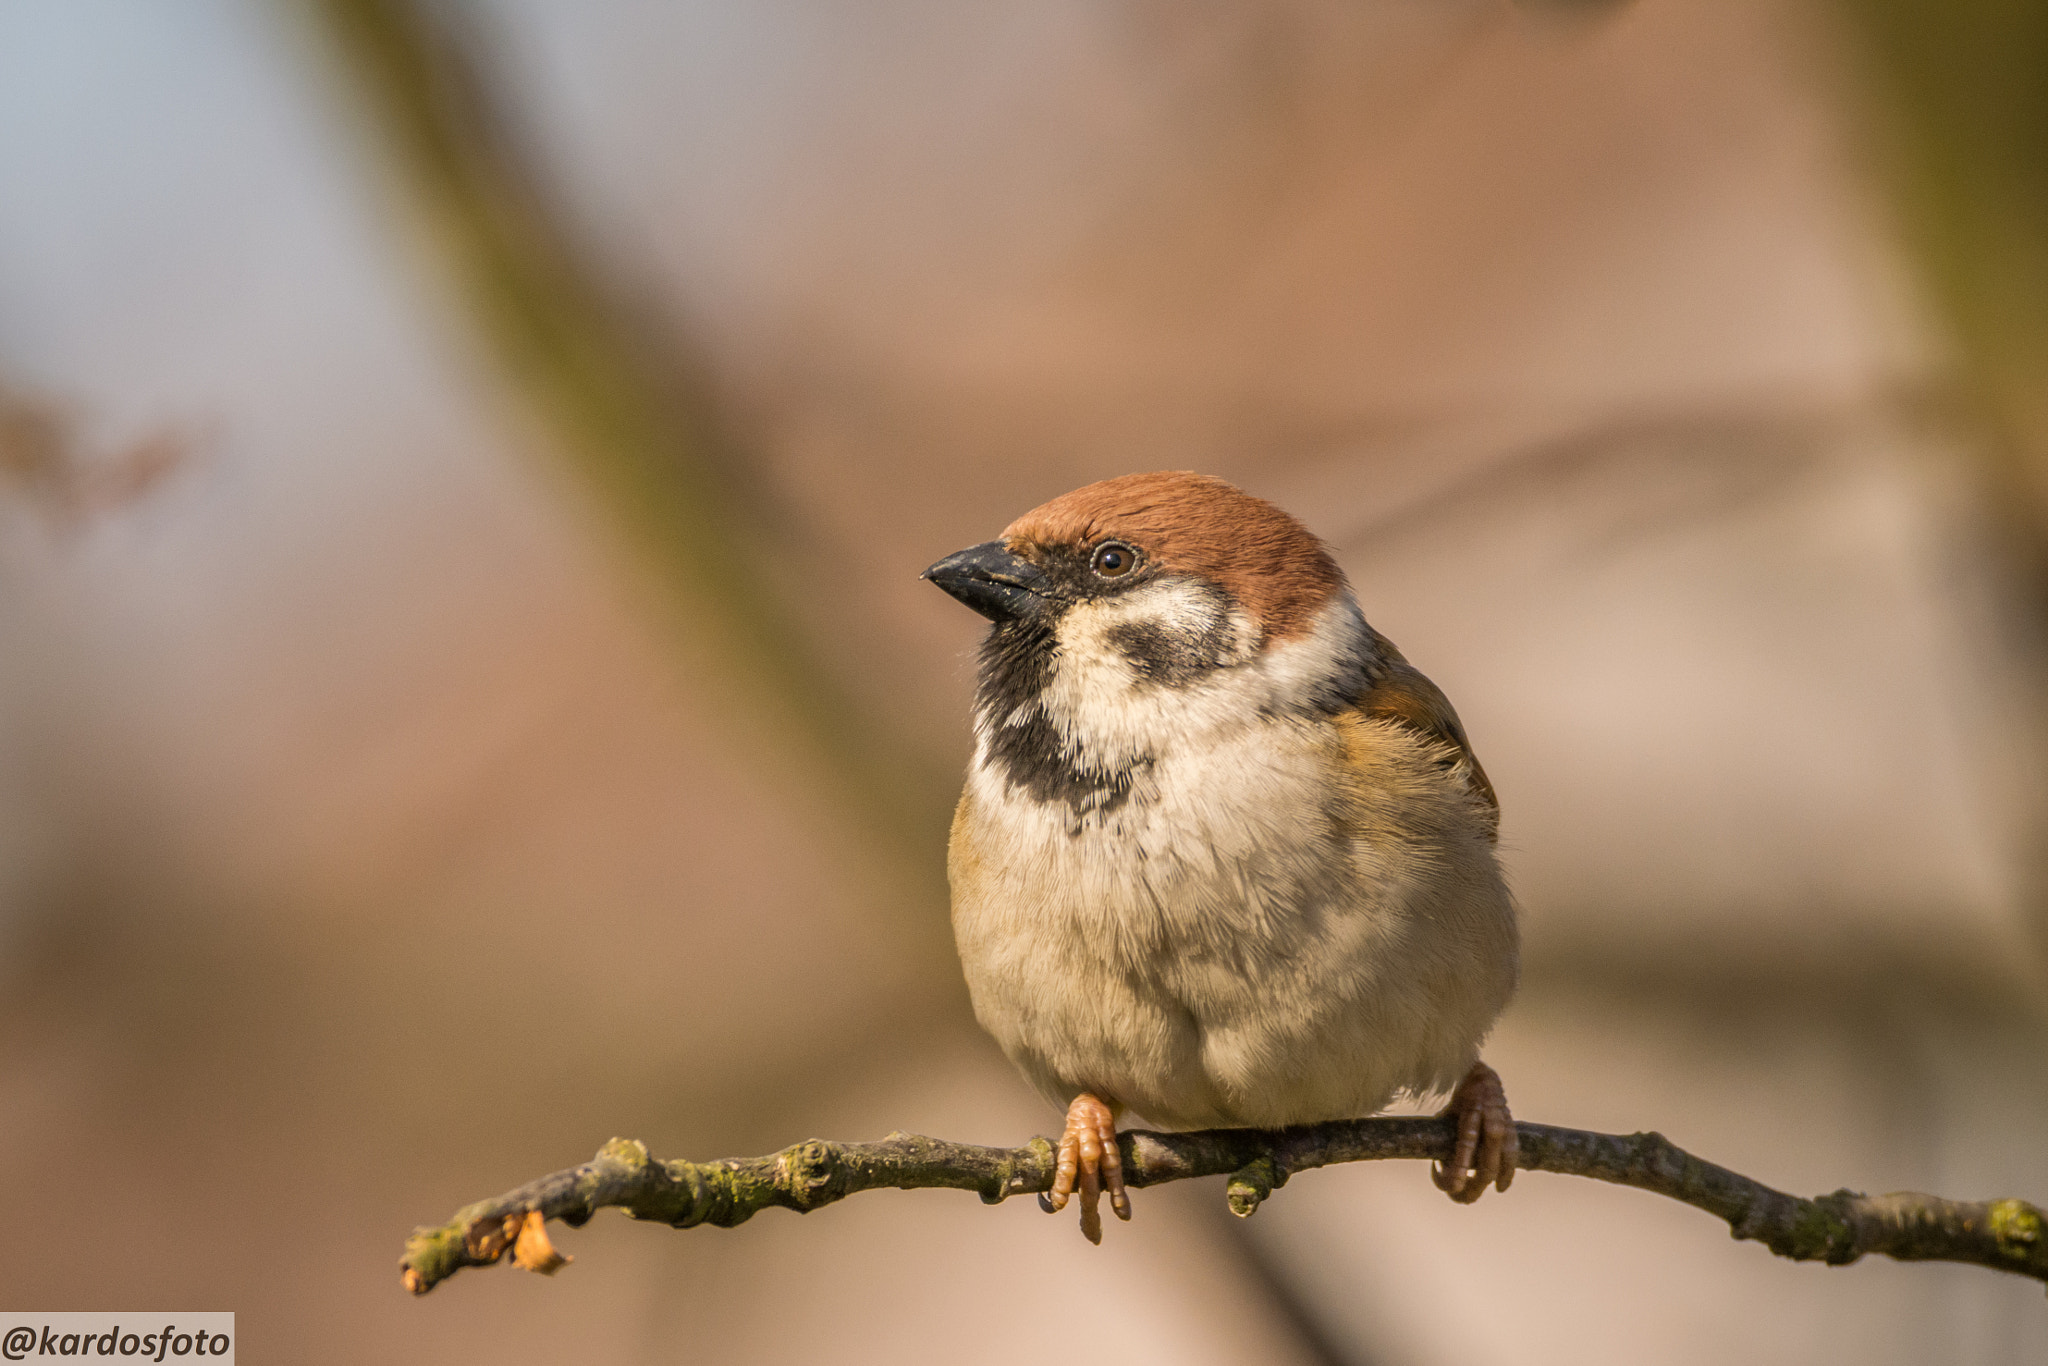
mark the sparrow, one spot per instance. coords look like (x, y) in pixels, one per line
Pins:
(1223, 857)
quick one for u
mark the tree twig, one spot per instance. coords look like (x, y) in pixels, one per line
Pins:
(2006, 1235)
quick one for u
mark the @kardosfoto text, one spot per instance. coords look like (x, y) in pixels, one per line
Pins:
(152, 1337)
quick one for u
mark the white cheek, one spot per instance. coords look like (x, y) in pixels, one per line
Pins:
(1112, 714)
(1110, 711)
(1336, 646)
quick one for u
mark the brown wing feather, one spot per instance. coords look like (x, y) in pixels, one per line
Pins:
(1400, 692)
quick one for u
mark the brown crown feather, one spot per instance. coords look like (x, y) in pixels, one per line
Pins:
(1272, 565)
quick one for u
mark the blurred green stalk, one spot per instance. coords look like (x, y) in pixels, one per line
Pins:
(630, 416)
(1963, 86)
(1962, 97)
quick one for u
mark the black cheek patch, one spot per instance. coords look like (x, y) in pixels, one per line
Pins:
(1170, 655)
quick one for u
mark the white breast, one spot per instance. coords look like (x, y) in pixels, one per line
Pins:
(1246, 937)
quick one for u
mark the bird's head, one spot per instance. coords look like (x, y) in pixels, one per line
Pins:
(1151, 605)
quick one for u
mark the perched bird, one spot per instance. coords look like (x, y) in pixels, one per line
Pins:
(1224, 857)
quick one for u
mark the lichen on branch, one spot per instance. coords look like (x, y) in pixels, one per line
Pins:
(2006, 1235)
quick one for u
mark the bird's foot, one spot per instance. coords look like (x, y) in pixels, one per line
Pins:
(1088, 1157)
(1487, 1148)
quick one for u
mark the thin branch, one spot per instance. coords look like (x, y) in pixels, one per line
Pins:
(2006, 1235)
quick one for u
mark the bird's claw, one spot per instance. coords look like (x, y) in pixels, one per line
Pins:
(1487, 1148)
(1088, 1161)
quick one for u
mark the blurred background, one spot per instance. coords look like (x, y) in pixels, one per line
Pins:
(466, 691)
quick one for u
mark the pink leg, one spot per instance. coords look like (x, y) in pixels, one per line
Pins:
(1088, 1152)
(1487, 1147)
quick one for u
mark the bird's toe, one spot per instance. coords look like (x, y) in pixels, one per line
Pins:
(1486, 1150)
(1088, 1163)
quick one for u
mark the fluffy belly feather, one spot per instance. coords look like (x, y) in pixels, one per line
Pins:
(1277, 959)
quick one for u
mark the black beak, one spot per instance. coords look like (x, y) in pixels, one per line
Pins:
(991, 580)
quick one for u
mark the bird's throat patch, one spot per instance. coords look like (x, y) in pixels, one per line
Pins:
(1019, 737)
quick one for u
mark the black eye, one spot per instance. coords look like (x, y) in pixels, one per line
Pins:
(1113, 560)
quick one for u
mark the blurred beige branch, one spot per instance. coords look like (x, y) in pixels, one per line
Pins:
(2006, 1235)
(630, 410)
